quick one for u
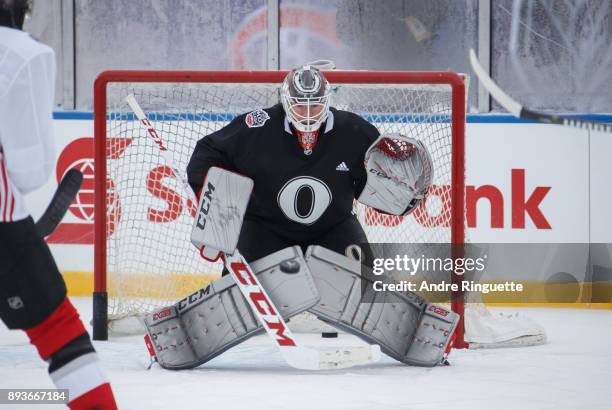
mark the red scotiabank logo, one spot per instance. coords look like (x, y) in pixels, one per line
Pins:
(79, 155)
(522, 205)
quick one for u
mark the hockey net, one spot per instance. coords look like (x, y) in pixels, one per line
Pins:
(143, 215)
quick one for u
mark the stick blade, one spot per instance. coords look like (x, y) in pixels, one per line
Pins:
(346, 357)
(305, 358)
(65, 193)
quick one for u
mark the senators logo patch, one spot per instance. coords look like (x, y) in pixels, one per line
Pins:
(256, 118)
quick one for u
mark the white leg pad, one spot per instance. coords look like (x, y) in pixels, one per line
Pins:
(217, 317)
(405, 326)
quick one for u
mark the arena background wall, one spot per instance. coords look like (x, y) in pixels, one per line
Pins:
(527, 183)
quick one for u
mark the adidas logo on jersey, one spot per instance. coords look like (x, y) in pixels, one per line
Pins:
(342, 167)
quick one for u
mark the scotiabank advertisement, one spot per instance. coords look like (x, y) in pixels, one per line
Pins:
(525, 183)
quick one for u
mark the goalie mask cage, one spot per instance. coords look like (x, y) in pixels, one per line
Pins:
(143, 212)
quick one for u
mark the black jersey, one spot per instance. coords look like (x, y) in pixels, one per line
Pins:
(299, 196)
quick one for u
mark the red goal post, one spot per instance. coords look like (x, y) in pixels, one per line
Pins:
(389, 82)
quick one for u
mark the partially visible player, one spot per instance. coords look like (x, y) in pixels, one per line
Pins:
(32, 291)
(308, 162)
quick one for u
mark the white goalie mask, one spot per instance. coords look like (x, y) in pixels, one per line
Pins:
(305, 95)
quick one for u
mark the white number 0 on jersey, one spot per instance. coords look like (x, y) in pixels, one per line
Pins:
(320, 199)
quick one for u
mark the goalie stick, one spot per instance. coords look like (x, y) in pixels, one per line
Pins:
(163, 150)
(62, 198)
(517, 110)
(296, 356)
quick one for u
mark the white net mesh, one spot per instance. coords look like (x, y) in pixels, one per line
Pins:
(150, 260)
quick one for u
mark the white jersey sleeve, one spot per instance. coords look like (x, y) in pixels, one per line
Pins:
(27, 85)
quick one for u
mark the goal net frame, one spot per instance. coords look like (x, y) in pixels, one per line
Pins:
(455, 81)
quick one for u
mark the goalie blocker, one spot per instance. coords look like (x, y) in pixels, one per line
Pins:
(223, 202)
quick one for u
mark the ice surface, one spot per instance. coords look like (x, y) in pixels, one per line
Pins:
(573, 371)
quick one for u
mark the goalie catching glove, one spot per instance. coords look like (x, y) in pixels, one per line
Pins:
(400, 171)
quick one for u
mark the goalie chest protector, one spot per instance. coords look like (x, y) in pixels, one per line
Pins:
(298, 195)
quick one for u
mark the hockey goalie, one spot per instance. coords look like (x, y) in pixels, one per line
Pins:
(278, 185)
